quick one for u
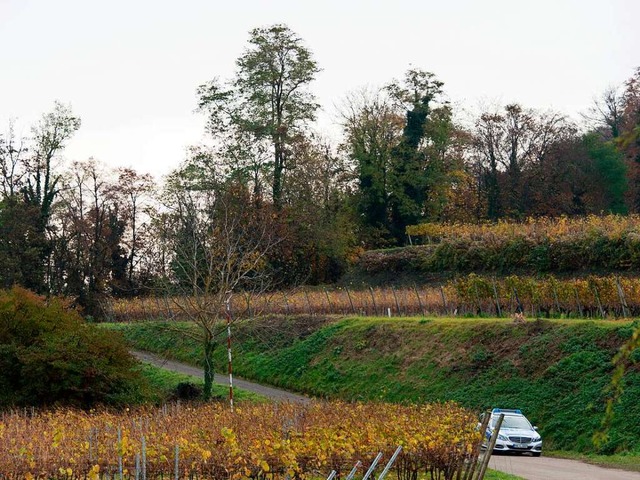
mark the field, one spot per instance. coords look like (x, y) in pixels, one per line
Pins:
(257, 441)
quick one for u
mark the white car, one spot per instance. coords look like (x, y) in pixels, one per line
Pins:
(516, 433)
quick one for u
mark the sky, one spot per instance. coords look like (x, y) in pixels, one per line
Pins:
(130, 68)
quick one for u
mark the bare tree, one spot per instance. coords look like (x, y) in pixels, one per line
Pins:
(607, 112)
(13, 160)
(220, 244)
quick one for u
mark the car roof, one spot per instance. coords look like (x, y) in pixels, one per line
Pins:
(507, 411)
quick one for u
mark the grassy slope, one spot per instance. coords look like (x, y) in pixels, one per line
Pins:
(555, 371)
(162, 385)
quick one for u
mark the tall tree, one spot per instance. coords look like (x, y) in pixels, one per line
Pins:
(268, 98)
(50, 136)
(372, 129)
(30, 184)
(414, 167)
(133, 189)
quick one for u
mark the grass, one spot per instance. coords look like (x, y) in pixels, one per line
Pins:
(496, 475)
(556, 371)
(162, 385)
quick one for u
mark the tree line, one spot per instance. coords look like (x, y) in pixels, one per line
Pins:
(270, 195)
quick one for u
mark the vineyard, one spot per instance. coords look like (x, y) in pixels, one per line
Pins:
(591, 297)
(537, 230)
(258, 441)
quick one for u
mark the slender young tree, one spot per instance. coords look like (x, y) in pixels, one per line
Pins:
(220, 246)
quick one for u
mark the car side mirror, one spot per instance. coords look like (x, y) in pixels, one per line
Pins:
(535, 428)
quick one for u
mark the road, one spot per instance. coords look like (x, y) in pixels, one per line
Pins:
(547, 468)
(542, 468)
(269, 392)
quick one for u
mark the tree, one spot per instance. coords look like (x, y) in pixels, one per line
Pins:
(89, 257)
(415, 168)
(132, 189)
(267, 100)
(13, 162)
(606, 113)
(372, 128)
(317, 225)
(50, 136)
(508, 144)
(21, 244)
(610, 170)
(30, 185)
(220, 247)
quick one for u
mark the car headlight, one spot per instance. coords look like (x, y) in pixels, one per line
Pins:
(537, 438)
(504, 438)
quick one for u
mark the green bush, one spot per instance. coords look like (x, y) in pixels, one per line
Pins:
(50, 356)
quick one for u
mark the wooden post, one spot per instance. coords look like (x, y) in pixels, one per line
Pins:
(519, 309)
(444, 300)
(373, 299)
(415, 289)
(176, 465)
(575, 290)
(475, 290)
(492, 443)
(286, 303)
(326, 294)
(306, 295)
(353, 310)
(495, 293)
(623, 300)
(120, 469)
(395, 297)
(144, 458)
(473, 461)
(555, 297)
(595, 292)
(230, 369)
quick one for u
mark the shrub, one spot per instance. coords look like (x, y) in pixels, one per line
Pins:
(49, 355)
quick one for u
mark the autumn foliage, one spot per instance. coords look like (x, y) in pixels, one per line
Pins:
(259, 441)
(50, 355)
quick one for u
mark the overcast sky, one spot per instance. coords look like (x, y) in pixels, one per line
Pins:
(130, 68)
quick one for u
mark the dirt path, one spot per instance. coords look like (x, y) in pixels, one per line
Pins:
(547, 468)
(543, 468)
(269, 392)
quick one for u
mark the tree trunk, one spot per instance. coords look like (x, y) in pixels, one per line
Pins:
(208, 367)
(277, 174)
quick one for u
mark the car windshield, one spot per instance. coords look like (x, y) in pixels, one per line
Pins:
(512, 421)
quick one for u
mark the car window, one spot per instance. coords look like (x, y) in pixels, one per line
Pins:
(512, 422)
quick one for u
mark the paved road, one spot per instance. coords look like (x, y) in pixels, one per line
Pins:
(547, 468)
(543, 468)
(269, 392)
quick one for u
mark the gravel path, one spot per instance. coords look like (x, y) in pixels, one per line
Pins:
(269, 392)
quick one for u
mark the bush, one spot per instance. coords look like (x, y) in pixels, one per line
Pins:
(50, 356)
(187, 391)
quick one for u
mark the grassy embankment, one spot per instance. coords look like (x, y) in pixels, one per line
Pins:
(161, 386)
(556, 371)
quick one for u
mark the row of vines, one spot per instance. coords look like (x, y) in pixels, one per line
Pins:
(538, 229)
(262, 441)
(591, 297)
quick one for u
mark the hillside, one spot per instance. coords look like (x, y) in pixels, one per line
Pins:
(556, 371)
